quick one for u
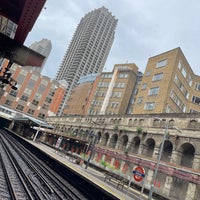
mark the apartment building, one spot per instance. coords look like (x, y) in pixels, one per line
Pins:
(168, 86)
(82, 95)
(36, 95)
(114, 90)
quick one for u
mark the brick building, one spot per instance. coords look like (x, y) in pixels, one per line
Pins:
(37, 96)
(168, 86)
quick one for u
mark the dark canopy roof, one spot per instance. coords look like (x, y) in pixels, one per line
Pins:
(33, 122)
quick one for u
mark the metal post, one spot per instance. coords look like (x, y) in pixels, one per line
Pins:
(158, 162)
(36, 135)
(92, 150)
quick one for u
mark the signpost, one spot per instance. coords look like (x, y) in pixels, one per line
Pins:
(138, 173)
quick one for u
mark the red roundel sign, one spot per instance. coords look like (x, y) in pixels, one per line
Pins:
(139, 173)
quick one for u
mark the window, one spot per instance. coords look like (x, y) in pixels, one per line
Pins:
(197, 87)
(122, 75)
(196, 100)
(34, 77)
(51, 93)
(181, 87)
(183, 72)
(13, 93)
(8, 102)
(41, 89)
(179, 64)
(20, 107)
(48, 100)
(144, 86)
(31, 84)
(154, 91)
(139, 100)
(148, 73)
(20, 78)
(177, 101)
(41, 115)
(24, 98)
(45, 106)
(34, 102)
(149, 106)
(169, 109)
(161, 63)
(28, 91)
(157, 77)
(30, 111)
(114, 104)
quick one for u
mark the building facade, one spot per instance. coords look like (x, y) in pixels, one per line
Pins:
(137, 140)
(42, 47)
(37, 96)
(168, 86)
(89, 47)
(81, 96)
(114, 91)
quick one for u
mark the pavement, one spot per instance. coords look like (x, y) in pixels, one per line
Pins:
(95, 176)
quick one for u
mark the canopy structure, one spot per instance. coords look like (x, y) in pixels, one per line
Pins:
(22, 12)
(33, 122)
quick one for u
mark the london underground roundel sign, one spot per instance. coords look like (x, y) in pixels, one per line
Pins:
(138, 173)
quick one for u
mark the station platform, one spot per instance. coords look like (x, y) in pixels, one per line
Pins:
(93, 175)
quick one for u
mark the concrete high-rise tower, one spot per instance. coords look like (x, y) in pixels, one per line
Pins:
(89, 48)
(44, 48)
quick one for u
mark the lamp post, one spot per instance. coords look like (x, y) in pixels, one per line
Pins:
(158, 162)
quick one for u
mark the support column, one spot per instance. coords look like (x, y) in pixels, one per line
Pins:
(196, 162)
(149, 177)
(168, 185)
(176, 157)
(112, 161)
(141, 148)
(191, 191)
(156, 152)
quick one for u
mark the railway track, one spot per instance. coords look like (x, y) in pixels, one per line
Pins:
(24, 176)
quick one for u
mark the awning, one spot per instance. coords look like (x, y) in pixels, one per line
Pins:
(33, 122)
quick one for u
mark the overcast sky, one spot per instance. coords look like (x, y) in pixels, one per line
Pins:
(145, 28)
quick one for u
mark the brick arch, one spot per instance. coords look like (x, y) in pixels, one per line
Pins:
(187, 152)
(105, 139)
(123, 142)
(167, 151)
(135, 143)
(193, 124)
(148, 147)
(113, 141)
(98, 136)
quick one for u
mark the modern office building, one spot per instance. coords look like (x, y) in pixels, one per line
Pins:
(89, 48)
(43, 47)
(36, 95)
(168, 86)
